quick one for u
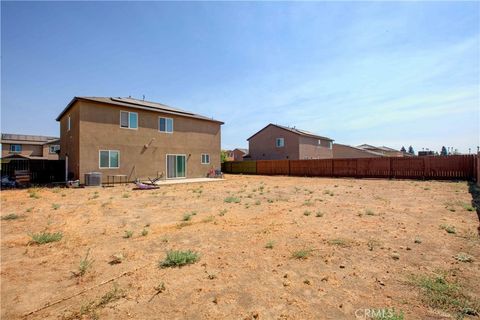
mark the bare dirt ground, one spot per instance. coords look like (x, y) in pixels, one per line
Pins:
(364, 240)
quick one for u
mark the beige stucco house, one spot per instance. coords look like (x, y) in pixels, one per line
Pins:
(30, 146)
(136, 138)
(276, 142)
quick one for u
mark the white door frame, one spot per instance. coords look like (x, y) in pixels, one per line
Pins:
(166, 165)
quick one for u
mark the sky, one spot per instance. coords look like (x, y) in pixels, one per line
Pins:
(382, 73)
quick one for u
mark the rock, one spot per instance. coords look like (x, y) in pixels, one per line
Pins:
(116, 258)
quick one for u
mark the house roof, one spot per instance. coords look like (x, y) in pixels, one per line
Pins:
(138, 104)
(360, 149)
(368, 146)
(27, 139)
(294, 130)
(242, 150)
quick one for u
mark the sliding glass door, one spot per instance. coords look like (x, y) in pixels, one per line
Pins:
(176, 166)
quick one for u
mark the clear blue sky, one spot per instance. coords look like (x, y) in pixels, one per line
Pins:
(380, 73)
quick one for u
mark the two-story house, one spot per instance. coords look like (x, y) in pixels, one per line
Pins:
(29, 146)
(275, 142)
(136, 138)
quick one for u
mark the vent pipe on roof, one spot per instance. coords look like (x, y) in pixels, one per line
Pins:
(143, 97)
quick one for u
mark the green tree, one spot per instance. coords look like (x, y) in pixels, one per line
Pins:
(223, 156)
(444, 151)
(403, 149)
(410, 150)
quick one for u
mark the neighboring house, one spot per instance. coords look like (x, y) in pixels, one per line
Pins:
(343, 151)
(236, 154)
(275, 142)
(136, 138)
(389, 152)
(239, 153)
(30, 146)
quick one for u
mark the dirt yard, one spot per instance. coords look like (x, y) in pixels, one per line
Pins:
(270, 248)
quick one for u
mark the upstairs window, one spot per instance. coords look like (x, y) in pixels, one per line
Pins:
(128, 120)
(165, 125)
(205, 159)
(68, 123)
(54, 148)
(15, 148)
(109, 159)
(280, 142)
(330, 144)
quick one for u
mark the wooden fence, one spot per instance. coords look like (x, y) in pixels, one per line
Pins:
(462, 167)
(41, 171)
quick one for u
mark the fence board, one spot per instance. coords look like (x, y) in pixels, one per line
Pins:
(311, 168)
(41, 171)
(273, 167)
(429, 167)
(373, 167)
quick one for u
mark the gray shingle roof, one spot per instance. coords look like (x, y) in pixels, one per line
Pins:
(138, 104)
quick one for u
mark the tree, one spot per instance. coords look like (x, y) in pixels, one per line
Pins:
(410, 150)
(403, 149)
(444, 151)
(223, 156)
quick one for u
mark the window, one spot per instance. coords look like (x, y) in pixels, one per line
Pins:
(205, 159)
(280, 142)
(109, 159)
(68, 123)
(15, 148)
(330, 145)
(54, 148)
(165, 125)
(128, 120)
(319, 142)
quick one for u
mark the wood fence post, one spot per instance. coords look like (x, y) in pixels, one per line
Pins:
(288, 167)
(391, 168)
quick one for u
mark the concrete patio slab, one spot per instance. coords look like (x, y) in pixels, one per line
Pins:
(180, 181)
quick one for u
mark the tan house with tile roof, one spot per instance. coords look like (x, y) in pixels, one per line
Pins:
(136, 138)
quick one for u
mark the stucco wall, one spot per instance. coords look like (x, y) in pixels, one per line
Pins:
(99, 129)
(69, 140)
(341, 151)
(262, 146)
(311, 149)
(27, 150)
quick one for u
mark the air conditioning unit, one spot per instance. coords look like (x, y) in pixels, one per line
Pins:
(93, 179)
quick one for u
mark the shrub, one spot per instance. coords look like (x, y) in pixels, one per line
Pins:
(187, 217)
(128, 234)
(449, 229)
(222, 212)
(269, 245)
(55, 206)
(11, 216)
(338, 242)
(46, 237)
(319, 214)
(84, 265)
(125, 195)
(369, 212)
(144, 232)
(179, 258)
(439, 293)
(231, 200)
(307, 213)
(301, 254)
(463, 257)
(257, 203)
